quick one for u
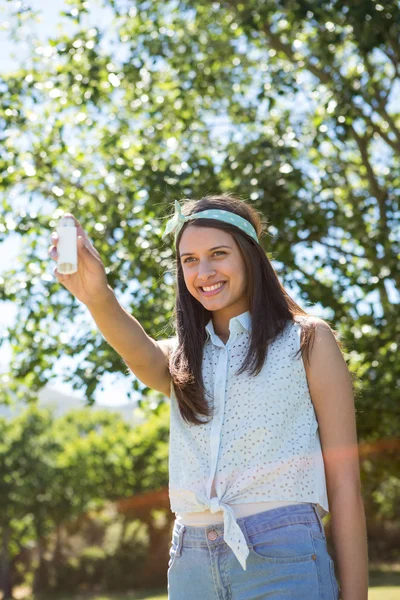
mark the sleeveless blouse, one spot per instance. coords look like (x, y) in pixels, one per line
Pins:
(262, 447)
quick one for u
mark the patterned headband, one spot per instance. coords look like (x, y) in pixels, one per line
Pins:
(179, 219)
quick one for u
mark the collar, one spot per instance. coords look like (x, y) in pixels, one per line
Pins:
(236, 324)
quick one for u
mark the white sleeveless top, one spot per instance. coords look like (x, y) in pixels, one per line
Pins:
(262, 448)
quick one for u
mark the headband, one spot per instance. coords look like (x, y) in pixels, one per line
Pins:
(176, 222)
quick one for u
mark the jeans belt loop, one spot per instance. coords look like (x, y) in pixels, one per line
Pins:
(180, 540)
(319, 518)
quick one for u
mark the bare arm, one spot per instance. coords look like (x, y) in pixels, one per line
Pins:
(332, 396)
(146, 358)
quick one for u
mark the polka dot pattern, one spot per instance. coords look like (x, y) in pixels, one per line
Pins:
(263, 443)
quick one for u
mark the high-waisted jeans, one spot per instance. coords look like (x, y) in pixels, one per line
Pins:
(288, 559)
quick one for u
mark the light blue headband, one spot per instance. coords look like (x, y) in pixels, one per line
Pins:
(179, 219)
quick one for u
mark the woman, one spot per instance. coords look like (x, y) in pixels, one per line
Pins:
(263, 438)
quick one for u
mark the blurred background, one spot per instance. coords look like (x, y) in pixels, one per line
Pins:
(111, 110)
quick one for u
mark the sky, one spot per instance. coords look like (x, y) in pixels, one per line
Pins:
(115, 387)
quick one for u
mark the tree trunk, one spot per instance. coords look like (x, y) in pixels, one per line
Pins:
(57, 554)
(5, 566)
(40, 578)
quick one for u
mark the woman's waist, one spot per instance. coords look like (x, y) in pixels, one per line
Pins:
(206, 517)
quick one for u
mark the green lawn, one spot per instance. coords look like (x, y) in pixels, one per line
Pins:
(384, 585)
(22, 594)
(160, 595)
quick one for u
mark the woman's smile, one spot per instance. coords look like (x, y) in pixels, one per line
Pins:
(213, 291)
(209, 257)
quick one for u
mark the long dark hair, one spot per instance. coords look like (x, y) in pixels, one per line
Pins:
(271, 308)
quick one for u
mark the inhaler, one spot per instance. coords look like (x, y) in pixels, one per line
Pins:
(67, 246)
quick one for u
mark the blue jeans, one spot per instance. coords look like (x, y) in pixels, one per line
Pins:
(288, 559)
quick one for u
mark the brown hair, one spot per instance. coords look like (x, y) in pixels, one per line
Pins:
(271, 308)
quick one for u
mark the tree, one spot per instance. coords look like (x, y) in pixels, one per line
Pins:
(305, 95)
(54, 470)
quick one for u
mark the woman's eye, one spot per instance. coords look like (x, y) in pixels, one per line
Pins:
(216, 252)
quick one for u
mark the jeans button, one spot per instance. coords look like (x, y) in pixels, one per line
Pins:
(212, 535)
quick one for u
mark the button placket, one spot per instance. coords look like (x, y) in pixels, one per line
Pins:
(219, 401)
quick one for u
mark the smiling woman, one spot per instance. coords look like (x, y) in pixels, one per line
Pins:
(214, 276)
(222, 245)
(262, 429)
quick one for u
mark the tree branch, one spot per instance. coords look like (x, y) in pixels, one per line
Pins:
(379, 194)
(327, 79)
(380, 101)
(339, 250)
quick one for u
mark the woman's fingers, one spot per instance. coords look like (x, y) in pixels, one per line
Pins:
(80, 232)
(52, 250)
(83, 241)
(78, 225)
(58, 275)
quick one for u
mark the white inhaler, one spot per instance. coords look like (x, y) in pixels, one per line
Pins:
(67, 246)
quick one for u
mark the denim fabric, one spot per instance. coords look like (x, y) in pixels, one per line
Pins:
(263, 442)
(288, 559)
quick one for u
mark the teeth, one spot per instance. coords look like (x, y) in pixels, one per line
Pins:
(213, 287)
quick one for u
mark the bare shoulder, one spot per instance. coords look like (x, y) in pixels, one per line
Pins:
(318, 330)
(312, 322)
(319, 323)
(331, 390)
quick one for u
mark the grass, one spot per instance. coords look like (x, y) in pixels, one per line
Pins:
(23, 594)
(384, 584)
(154, 595)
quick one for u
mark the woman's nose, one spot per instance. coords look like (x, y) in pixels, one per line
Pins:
(204, 273)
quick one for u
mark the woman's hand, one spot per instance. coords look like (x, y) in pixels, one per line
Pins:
(89, 283)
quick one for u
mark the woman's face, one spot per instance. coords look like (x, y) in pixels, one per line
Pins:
(209, 256)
